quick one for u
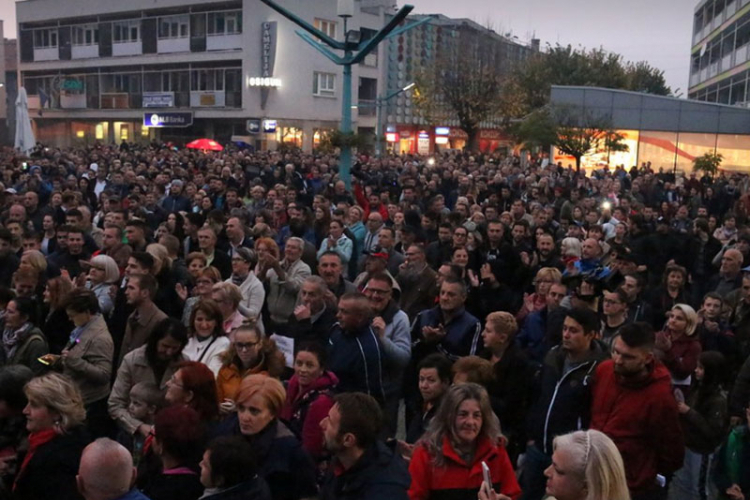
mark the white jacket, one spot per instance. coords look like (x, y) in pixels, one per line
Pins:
(207, 352)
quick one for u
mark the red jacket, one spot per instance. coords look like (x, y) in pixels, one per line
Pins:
(365, 204)
(457, 479)
(682, 359)
(642, 419)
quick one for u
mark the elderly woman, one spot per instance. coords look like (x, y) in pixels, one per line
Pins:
(202, 290)
(54, 419)
(537, 301)
(208, 340)
(57, 325)
(282, 461)
(23, 343)
(677, 346)
(250, 352)
(228, 297)
(463, 435)
(155, 363)
(244, 261)
(103, 273)
(87, 358)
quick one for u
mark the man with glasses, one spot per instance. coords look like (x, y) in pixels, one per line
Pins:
(615, 310)
(244, 261)
(391, 324)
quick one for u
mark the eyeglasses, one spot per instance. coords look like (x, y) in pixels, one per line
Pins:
(98, 268)
(375, 291)
(238, 259)
(245, 346)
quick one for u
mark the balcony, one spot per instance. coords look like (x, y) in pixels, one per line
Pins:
(169, 45)
(367, 107)
(127, 49)
(48, 54)
(224, 42)
(84, 51)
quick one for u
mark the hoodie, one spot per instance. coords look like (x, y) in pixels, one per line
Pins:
(641, 418)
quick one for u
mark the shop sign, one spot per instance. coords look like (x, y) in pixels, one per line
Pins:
(491, 135)
(391, 137)
(268, 35)
(167, 120)
(441, 140)
(252, 126)
(158, 99)
(423, 143)
(457, 133)
(442, 131)
(269, 126)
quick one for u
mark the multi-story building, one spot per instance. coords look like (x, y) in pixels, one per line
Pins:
(720, 55)
(10, 80)
(106, 70)
(421, 47)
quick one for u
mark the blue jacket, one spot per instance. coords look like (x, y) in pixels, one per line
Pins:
(357, 360)
(133, 494)
(379, 474)
(462, 334)
(531, 338)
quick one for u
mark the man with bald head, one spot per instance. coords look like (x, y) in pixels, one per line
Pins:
(591, 260)
(730, 273)
(106, 472)
(354, 351)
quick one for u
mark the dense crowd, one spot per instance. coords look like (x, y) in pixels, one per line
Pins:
(179, 324)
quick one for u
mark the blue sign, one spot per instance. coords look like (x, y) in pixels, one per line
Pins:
(442, 131)
(269, 126)
(167, 120)
(253, 126)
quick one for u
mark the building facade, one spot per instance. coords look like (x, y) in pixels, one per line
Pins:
(720, 54)
(111, 71)
(10, 90)
(665, 131)
(406, 131)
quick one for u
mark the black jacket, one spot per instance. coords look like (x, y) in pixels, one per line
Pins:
(380, 474)
(254, 489)
(564, 402)
(51, 472)
(305, 330)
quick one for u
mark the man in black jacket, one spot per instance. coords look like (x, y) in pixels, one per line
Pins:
(314, 317)
(362, 466)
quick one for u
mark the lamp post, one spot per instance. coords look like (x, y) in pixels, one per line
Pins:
(355, 51)
(379, 103)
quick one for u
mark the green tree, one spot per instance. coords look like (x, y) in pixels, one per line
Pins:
(708, 163)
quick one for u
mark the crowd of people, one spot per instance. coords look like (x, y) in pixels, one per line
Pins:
(180, 324)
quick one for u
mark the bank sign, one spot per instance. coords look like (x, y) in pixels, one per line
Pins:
(166, 120)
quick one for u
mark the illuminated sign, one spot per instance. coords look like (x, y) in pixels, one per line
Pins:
(423, 135)
(442, 131)
(164, 120)
(260, 81)
(391, 137)
(441, 140)
(269, 126)
(252, 126)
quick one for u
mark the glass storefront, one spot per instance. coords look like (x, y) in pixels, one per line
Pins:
(668, 150)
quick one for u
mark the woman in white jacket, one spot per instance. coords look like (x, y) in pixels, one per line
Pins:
(207, 338)
(253, 293)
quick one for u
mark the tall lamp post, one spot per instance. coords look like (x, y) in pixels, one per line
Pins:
(382, 101)
(355, 51)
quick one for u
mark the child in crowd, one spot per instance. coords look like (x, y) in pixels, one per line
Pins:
(145, 401)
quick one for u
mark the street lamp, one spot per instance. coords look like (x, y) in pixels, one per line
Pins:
(379, 103)
(355, 50)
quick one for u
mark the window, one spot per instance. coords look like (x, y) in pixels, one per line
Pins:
(45, 38)
(324, 84)
(126, 31)
(225, 23)
(327, 27)
(174, 27)
(207, 79)
(85, 35)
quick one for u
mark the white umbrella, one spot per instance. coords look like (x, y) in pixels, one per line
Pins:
(25, 141)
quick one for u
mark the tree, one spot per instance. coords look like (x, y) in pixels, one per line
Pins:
(565, 65)
(708, 163)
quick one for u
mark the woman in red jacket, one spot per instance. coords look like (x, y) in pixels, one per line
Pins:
(678, 348)
(447, 461)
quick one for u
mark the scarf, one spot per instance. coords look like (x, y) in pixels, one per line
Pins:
(237, 280)
(36, 440)
(11, 338)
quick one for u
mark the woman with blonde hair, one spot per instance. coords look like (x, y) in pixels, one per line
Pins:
(463, 435)
(57, 326)
(228, 297)
(166, 297)
(677, 346)
(586, 465)
(286, 467)
(54, 419)
(545, 278)
(103, 272)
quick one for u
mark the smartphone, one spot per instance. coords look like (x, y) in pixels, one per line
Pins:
(486, 474)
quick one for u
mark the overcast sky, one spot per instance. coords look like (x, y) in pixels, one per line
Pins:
(658, 31)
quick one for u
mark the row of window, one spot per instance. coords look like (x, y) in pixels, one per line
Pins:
(169, 27)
